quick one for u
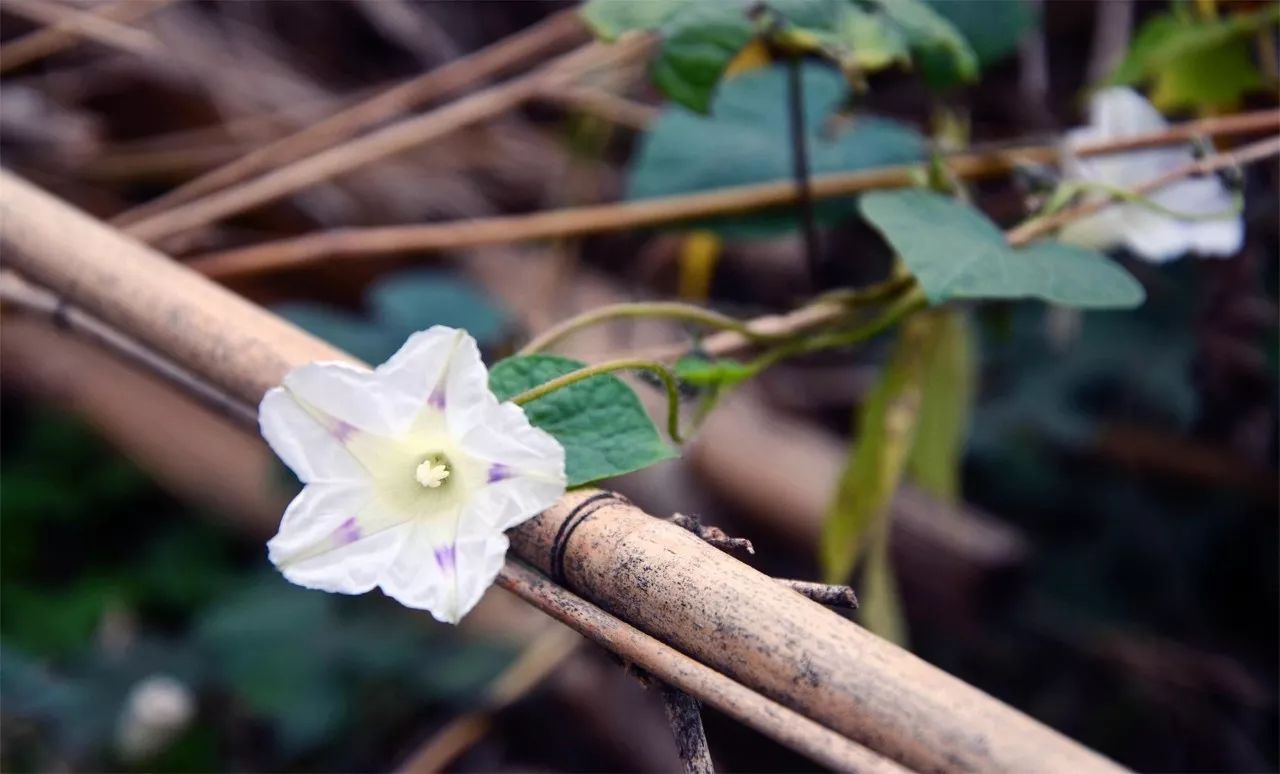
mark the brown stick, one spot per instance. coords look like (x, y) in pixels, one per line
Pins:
(535, 663)
(1034, 229)
(63, 34)
(576, 221)
(823, 593)
(679, 670)
(685, 716)
(377, 145)
(650, 573)
(99, 28)
(557, 31)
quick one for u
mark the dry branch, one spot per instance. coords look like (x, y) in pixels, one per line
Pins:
(652, 574)
(97, 27)
(557, 31)
(577, 221)
(62, 34)
(387, 141)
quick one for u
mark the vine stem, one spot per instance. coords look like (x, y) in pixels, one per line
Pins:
(659, 309)
(1037, 227)
(625, 364)
(908, 304)
(576, 221)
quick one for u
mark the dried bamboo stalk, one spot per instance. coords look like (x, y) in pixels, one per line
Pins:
(577, 221)
(556, 31)
(64, 33)
(648, 572)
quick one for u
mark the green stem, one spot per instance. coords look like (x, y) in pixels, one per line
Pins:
(871, 294)
(662, 309)
(909, 303)
(1068, 191)
(626, 364)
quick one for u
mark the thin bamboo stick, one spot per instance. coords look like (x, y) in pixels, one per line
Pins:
(647, 572)
(578, 221)
(62, 34)
(100, 28)
(387, 141)
(557, 31)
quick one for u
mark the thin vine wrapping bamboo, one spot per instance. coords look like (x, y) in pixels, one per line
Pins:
(645, 571)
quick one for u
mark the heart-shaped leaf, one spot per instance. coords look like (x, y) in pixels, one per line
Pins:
(956, 252)
(599, 421)
(745, 140)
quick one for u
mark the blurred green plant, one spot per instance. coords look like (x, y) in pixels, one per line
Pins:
(400, 304)
(700, 39)
(1194, 61)
(745, 140)
(105, 581)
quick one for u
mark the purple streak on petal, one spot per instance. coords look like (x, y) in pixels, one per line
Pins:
(343, 431)
(499, 472)
(445, 558)
(347, 532)
(436, 399)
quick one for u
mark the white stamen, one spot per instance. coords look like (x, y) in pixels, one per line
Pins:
(431, 473)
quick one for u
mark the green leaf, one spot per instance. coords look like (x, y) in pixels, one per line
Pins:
(879, 607)
(944, 56)
(948, 389)
(993, 29)
(700, 39)
(697, 45)
(401, 304)
(886, 426)
(1196, 62)
(1215, 78)
(746, 140)
(410, 301)
(599, 421)
(956, 252)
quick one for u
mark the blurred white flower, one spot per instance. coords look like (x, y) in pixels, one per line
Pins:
(412, 473)
(1155, 236)
(155, 712)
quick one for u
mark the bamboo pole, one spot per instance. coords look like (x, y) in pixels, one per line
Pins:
(647, 572)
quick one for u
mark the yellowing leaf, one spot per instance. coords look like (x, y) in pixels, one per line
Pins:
(878, 454)
(753, 57)
(699, 254)
(945, 403)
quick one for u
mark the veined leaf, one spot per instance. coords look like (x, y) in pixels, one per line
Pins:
(956, 252)
(599, 421)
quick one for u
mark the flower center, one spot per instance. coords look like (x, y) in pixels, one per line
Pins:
(433, 471)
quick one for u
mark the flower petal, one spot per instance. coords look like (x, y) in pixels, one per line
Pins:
(1121, 112)
(415, 371)
(442, 571)
(352, 396)
(311, 451)
(334, 537)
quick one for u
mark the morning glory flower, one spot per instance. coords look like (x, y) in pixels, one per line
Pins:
(1155, 236)
(412, 472)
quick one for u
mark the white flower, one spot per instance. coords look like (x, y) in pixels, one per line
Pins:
(412, 473)
(1121, 112)
(155, 712)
